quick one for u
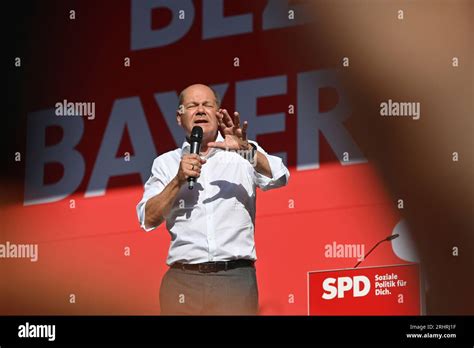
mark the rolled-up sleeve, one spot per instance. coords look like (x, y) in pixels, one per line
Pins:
(280, 174)
(154, 185)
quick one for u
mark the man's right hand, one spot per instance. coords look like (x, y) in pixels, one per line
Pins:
(190, 166)
(159, 206)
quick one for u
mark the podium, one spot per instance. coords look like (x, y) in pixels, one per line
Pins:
(381, 290)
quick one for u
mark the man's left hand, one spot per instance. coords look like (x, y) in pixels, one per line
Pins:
(235, 136)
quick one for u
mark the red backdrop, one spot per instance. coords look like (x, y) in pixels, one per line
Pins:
(84, 232)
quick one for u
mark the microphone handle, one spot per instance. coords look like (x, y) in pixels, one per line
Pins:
(195, 148)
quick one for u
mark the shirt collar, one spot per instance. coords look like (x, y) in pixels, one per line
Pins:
(185, 148)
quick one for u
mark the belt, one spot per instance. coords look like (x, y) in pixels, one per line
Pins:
(216, 266)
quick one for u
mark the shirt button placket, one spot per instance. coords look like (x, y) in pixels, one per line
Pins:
(210, 231)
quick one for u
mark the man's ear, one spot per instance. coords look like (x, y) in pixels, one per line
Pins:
(179, 113)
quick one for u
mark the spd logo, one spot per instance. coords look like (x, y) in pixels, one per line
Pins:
(360, 286)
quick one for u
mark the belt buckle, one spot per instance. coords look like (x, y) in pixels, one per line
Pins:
(207, 267)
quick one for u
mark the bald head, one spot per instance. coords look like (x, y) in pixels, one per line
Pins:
(197, 88)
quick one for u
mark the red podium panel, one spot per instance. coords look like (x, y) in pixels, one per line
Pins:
(383, 290)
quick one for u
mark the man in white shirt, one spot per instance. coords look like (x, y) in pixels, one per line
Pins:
(212, 250)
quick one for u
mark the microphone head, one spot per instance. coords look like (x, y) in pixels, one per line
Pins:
(393, 236)
(196, 134)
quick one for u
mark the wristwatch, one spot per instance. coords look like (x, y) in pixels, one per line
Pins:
(254, 152)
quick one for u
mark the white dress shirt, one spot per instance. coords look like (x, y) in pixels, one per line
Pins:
(215, 220)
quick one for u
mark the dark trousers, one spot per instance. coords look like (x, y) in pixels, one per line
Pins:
(231, 292)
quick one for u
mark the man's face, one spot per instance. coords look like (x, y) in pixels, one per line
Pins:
(198, 108)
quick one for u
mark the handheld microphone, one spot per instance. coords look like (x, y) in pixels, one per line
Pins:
(195, 140)
(389, 238)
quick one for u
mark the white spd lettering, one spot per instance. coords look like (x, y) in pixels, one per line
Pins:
(339, 286)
